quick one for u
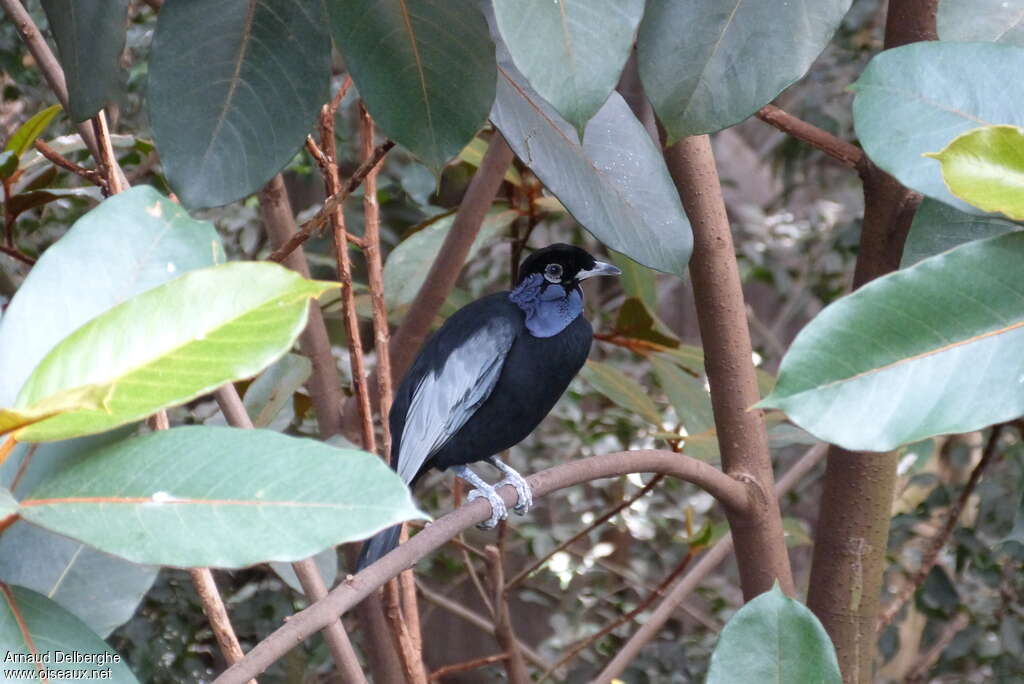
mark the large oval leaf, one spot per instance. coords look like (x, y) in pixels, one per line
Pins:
(90, 37)
(774, 639)
(928, 350)
(234, 87)
(424, 67)
(915, 99)
(985, 168)
(223, 497)
(615, 184)
(172, 344)
(141, 238)
(34, 628)
(571, 51)
(998, 21)
(938, 227)
(101, 590)
(408, 263)
(709, 64)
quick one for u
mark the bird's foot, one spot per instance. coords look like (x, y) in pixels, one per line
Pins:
(524, 495)
(498, 510)
(482, 489)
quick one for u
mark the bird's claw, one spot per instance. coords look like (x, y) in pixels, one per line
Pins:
(524, 495)
(498, 510)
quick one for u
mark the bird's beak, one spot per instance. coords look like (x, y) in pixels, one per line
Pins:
(600, 269)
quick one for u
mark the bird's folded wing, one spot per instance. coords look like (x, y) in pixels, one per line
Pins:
(447, 397)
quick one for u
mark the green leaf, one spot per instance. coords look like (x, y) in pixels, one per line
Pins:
(408, 264)
(33, 626)
(141, 238)
(637, 280)
(686, 393)
(773, 639)
(90, 36)
(636, 322)
(83, 398)
(8, 164)
(997, 21)
(615, 184)
(571, 51)
(424, 67)
(985, 167)
(938, 227)
(273, 388)
(709, 64)
(914, 99)
(928, 350)
(621, 389)
(473, 154)
(101, 590)
(161, 349)
(23, 138)
(234, 87)
(221, 497)
(795, 531)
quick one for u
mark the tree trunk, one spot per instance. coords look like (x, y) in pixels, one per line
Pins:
(856, 503)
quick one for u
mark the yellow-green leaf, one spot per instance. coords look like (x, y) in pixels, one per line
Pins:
(985, 167)
(622, 389)
(85, 398)
(171, 344)
(23, 138)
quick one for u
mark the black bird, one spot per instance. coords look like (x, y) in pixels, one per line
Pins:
(487, 378)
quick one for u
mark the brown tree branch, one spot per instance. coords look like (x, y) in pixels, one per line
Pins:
(115, 182)
(722, 317)
(445, 270)
(324, 384)
(217, 614)
(15, 253)
(704, 567)
(442, 672)
(729, 492)
(503, 630)
(334, 201)
(941, 538)
(55, 158)
(836, 148)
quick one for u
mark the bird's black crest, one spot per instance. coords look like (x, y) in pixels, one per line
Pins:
(572, 259)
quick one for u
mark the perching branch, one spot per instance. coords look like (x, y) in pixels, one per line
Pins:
(731, 493)
(704, 567)
(834, 147)
(936, 543)
(313, 225)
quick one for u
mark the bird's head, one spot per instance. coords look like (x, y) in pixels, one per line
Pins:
(565, 265)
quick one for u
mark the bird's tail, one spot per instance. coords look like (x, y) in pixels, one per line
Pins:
(377, 546)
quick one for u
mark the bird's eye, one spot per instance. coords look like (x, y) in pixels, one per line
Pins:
(553, 272)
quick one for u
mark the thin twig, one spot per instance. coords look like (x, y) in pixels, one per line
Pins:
(919, 670)
(115, 182)
(705, 566)
(640, 607)
(93, 176)
(936, 543)
(16, 253)
(479, 621)
(217, 614)
(503, 630)
(466, 666)
(834, 147)
(333, 202)
(600, 520)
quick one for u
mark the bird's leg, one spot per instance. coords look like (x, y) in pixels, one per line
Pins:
(482, 489)
(524, 502)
